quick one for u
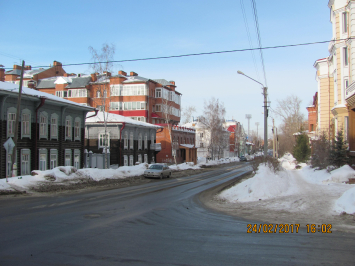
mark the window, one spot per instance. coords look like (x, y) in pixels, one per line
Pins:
(146, 158)
(131, 160)
(116, 90)
(125, 160)
(345, 22)
(54, 126)
(42, 159)
(158, 108)
(115, 105)
(346, 84)
(25, 162)
(134, 106)
(53, 159)
(77, 159)
(170, 95)
(61, 94)
(131, 141)
(98, 94)
(67, 158)
(125, 140)
(346, 128)
(140, 141)
(145, 141)
(104, 140)
(201, 135)
(77, 128)
(68, 127)
(43, 125)
(26, 123)
(201, 144)
(157, 93)
(345, 55)
(105, 94)
(139, 89)
(140, 158)
(11, 117)
(77, 93)
(101, 108)
(152, 139)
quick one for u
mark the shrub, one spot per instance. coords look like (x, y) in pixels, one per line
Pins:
(321, 152)
(338, 152)
(269, 161)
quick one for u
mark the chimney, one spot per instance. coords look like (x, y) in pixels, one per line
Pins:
(121, 72)
(108, 74)
(93, 77)
(17, 67)
(172, 82)
(28, 67)
(56, 63)
(2, 74)
(65, 74)
(31, 84)
(133, 74)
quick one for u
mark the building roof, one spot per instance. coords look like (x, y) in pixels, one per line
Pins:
(163, 82)
(79, 82)
(114, 118)
(46, 83)
(13, 88)
(132, 79)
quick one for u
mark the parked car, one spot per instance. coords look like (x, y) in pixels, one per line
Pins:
(242, 158)
(158, 171)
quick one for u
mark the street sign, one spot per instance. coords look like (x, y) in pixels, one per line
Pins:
(9, 145)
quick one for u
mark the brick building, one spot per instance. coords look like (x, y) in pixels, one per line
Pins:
(183, 145)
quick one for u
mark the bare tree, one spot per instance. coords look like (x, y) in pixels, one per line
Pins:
(289, 110)
(102, 68)
(214, 117)
(187, 113)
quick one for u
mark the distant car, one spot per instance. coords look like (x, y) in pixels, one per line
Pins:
(242, 158)
(158, 171)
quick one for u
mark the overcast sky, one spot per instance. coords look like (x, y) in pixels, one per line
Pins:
(40, 32)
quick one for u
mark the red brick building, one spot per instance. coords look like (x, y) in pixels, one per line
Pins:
(313, 114)
(183, 145)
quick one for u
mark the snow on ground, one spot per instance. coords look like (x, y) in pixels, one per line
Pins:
(304, 192)
(70, 174)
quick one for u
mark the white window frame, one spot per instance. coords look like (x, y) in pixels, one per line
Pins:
(101, 143)
(344, 18)
(42, 159)
(158, 93)
(152, 138)
(158, 108)
(25, 162)
(67, 155)
(68, 127)
(26, 124)
(345, 56)
(11, 118)
(131, 140)
(145, 158)
(43, 125)
(77, 159)
(53, 158)
(140, 141)
(140, 158)
(77, 128)
(131, 161)
(54, 126)
(145, 141)
(98, 94)
(125, 140)
(125, 160)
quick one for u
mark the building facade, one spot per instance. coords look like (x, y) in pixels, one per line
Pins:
(127, 140)
(50, 132)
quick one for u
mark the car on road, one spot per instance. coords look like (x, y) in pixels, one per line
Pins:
(242, 159)
(158, 171)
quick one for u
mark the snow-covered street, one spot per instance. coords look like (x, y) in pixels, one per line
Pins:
(290, 196)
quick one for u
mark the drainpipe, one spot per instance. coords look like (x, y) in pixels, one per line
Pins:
(123, 125)
(43, 99)
(96, 111)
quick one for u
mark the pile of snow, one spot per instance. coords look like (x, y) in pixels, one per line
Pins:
(340, 175)
(346, 203)
(264, 185)
(288, 161)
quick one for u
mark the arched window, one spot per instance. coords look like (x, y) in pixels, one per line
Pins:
(131, 141)
(140, 141)
(54, 126)
(77, 128)
(11, 118)
(43, 125)
(26, 124)
(68, 127)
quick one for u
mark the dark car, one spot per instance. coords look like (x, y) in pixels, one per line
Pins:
(242, 159)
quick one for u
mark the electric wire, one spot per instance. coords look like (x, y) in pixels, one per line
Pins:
(259, 38)
(205, 53)
(249, 38)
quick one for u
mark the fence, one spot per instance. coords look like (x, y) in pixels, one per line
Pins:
(96, 160)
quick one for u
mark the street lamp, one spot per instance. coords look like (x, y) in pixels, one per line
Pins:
(265, 111)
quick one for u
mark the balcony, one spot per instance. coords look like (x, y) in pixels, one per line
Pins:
(155, 147)
(350, 94)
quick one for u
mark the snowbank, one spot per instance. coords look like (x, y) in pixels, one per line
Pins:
(346, 203)
(264, 185)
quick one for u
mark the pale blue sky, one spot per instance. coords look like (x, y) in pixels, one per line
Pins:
(40, 32)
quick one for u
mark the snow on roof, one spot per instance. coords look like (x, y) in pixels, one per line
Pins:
(187, 145)
(339, 106)
(115, 118)
(7, 86)
(163, 82)
(132, 79)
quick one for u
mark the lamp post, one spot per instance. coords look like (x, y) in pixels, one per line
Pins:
(265, 111)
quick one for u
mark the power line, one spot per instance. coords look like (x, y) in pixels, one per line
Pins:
(197, 54)
(259, 38)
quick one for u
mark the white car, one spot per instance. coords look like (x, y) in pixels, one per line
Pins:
(158, 171)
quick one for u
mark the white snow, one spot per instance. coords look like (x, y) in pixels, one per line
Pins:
(67, 174)
(297, 190)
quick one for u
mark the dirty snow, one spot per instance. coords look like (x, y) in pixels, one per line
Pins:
(304, 192)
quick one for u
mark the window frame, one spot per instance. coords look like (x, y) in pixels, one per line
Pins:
(101, 137)
(145, 158)
(68, 127)
(158, 93)
(67, 152)
(140, 158)
(131, 140)
(51, 153)
(125, 140)
(42, 163)
(145, 141)
(131, 160)
(125, 160)
(345, 56)
(54, 127)
(77, 128)
(26, 170)
(140, 140)
(344, 18)
(23, 124)
(43, 125)
(11, 123)
(77, 155)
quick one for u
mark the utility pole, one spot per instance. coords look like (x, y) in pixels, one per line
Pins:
(13, 157)
(273, 139)
(277, 144)
(257, 132)
(265, 120)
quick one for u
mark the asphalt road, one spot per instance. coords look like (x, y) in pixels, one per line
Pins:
(159, 223)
